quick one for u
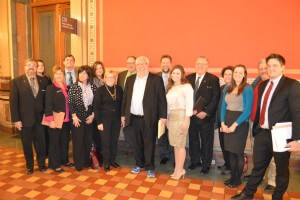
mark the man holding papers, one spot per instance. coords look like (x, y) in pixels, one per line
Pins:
(278, 101)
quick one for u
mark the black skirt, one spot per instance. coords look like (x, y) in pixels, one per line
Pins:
(235, 142)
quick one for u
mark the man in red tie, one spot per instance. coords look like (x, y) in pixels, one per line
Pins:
(278, 101)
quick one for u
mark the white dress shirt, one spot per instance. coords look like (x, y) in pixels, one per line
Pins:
(165, 77)
(139, 86)
(67, 76)
(275, 82)
(200, 80)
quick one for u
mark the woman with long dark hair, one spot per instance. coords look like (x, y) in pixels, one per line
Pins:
(180, 109)
(235, 112)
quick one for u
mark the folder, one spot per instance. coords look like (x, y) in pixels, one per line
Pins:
(58, 120)
(161, 129)
(200, 103)
(281, 132)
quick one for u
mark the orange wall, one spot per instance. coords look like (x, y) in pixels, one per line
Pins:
(227, 32)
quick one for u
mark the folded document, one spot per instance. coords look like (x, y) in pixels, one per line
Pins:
(280, 133)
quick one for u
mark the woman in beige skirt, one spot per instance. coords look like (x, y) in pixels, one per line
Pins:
(180, 109)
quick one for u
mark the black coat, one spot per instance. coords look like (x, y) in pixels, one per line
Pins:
(55, 100)
(24, 106)
(154, 100)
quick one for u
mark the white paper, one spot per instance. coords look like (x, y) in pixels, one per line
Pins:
(161, 129)
(280, 133)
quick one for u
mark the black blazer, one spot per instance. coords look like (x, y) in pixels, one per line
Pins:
(154, 100)
(284, 105)
(55, 100)
(208, 89)
(23, 106)
(76, 104)
(121, 79)
(105, 106)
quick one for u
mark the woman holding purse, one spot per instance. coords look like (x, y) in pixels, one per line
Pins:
(57, 101)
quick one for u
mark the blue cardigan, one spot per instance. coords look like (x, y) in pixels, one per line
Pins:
(247, 105)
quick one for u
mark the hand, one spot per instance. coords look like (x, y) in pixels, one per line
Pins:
(232, 127)
(52, 125)
(18, 125)
(194, 112)
(294, 146)
(76, 122)
(224, 128)
(201, 115)
(90, 119)
(122, 122)
(185, 125)
(100, 127)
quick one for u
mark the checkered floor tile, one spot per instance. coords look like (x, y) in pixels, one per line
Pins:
(96, 184)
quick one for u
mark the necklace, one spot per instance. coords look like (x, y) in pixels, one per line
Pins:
(114, 95)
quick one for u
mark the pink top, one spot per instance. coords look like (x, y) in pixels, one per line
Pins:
(64, 91)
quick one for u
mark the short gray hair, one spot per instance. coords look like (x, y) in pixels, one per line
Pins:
(142, 58)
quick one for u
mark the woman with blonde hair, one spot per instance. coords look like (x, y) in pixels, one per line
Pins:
(180, 109)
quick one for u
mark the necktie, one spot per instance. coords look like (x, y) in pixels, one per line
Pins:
(70, 81)
(264, 106)
(196, 87)
(32, 85)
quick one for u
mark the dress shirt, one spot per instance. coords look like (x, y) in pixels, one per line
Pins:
(138, 95)
(36, 84)
(275, 82)
(200, 80)
(165, 77)
(67, 76)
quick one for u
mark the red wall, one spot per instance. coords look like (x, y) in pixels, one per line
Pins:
(226, 32)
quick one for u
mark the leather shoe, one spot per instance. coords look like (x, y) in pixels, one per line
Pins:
(164, 161)
(115, 165)
(29, 171)
(69, 165)
(194, 166)
(246, 178)
(227, 182)
(269, 189)
(234, 185)
(106, 168)
(43, 169)
(59, 170)
(242, 196)
(204, 170)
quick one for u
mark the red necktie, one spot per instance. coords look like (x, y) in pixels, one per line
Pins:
(264, 106)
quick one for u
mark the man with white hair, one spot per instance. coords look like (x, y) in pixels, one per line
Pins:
(144, 103)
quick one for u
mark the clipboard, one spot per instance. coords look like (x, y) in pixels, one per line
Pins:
(200, 103)
(58, 120)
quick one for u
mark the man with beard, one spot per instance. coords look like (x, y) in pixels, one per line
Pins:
(27, 105)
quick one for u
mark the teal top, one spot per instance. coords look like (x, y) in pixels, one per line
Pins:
(247, 104)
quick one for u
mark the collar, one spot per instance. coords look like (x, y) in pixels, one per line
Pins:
(275, 81)
(57, 85)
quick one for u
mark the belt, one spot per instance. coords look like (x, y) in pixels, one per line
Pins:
(137, 116)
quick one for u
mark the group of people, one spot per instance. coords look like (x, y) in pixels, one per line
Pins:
(96, 103)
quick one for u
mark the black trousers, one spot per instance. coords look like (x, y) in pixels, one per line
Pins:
(128, 137)
(34, 135)
(201, 141)
(262, 155)
(65, 140)
(109, 138)
(225, 153)
(57, 145)
(144, 142)
(82, 137)
(97, 139)
(165, 150)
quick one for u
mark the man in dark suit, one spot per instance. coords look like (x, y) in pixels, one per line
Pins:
(144, 103)
(27, 105)
(164, 147)
(278, 101)
(206, 85)
(122, 78)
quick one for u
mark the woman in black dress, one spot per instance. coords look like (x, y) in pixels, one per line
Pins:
(57, 101)
(107, 108)
(81, 96)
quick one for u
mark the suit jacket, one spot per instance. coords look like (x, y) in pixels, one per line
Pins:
(23, 106)
(154, 100)
(209, 89)
(55, 100)
(121, 79)
(284, 105)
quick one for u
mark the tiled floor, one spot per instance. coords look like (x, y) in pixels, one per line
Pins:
(117, 184)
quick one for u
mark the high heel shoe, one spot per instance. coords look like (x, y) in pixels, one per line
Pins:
(178, 177)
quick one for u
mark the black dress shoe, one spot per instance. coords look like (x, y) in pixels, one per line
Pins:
(106, 168)
(269, 189)
(204, 170)
(115, 165)
(164, 161)
(43, 169)
(69, 165)
(194, 166)
(246, 178)
(242, 196)
(234, 185)
(29, 171)
(227, 182)
(59, 170)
